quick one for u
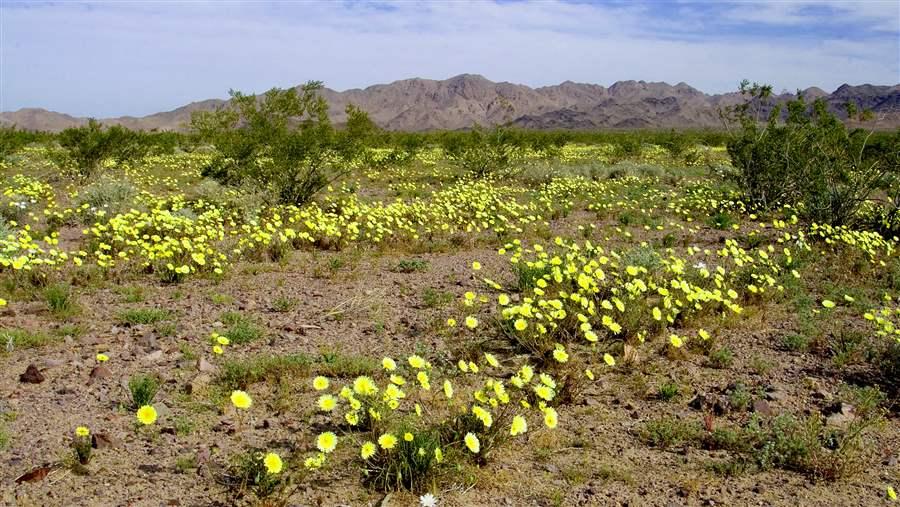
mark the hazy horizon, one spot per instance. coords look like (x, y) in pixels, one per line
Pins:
(134, 59)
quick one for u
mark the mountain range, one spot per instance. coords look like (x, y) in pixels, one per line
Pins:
(462, 101)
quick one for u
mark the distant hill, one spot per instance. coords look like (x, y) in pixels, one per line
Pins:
(461, 101)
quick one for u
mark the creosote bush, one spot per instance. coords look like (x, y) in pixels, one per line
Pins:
(282, 142)
(810, 161)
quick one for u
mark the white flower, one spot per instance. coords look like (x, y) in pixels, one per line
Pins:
(700, 265)
(427, 500)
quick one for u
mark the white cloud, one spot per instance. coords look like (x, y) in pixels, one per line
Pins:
(134, 58)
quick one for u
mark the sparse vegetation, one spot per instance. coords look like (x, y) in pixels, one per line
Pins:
(422, 313)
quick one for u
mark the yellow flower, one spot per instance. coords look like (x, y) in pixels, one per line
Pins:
(314, 463)
(320, 383)
(589, 374)
(368, 450)
(365, 386)
(491, 359)
(451, 322)
(352, 418)
(544, 392)
(387, 441)
(448, 389)
(388, 364)
(519, 426)
(521, 324)
(240, 399)
(82, 431)
(438, 454)
(408, 436)
(503, 299)
(416, 361)
(827, 303)
(327, 402)
(146, 414)
(892, 495)
(483, 415)
(560, 354)
(609, 359)
(273, 463)
(217, 349)
(476, 266)
(703, 334)
(326, 442)
(471, 322)
(222, 340)
(422, 377)
(551, 418)
(676, 341)
(102, 358)
(472, 442)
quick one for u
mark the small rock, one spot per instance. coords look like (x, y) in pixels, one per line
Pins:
(66, 390)
(698, 402)
(154, 356)
(104, 441)
(205, 366)
(844, 416)
(550, 467)
(199, 383)
(821, 394)
(776, 395)
(53, 363)
(90, 339)
(762, 407)
(719, 408)
(148, 341)
(150, 468)
(32, 375)
(100, 371)
(162, 410)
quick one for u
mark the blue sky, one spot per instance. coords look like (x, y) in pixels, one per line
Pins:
(134, 58)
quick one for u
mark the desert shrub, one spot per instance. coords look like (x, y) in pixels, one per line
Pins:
(411, 266)
(241, 329)
(109, 195)
(137, 316)
(84, 148)
(282, 142)
(480, 152)
(143, 389)
(60, 299)
(809, 160)
(670, 432)
(628, 148)
(13, 139)
(249, 476)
